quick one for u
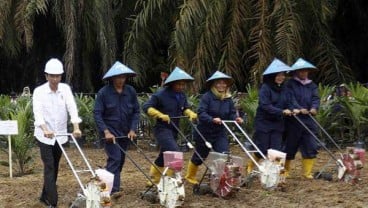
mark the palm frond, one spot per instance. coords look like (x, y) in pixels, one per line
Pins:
(359, 92)
(288, 40)
(71, 31)
(5, 10)
(235, 41)
(187, 30)
(207, 51)
(25, 16)
(249, 105)
(324, 53)
(106, 33)
(357, 113)
(10, 43)
(147, 42)
(260, 52)
(22, 142)
(330, 62)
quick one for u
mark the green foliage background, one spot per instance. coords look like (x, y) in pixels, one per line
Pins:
(344, 118)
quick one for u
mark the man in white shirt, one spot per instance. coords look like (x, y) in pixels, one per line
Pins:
(52, 102)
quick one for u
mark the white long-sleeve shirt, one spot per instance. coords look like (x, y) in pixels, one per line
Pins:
(52, 108)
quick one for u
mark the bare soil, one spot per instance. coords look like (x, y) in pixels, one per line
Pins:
(24, 191)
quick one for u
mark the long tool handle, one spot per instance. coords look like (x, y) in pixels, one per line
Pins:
(315, 137)
(325, 132)
(225, 123)
(133, 161)
(70, 162)
(142, 153)
(189, 143)
(207, 143)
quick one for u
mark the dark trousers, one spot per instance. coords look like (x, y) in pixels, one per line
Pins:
(269, 140)
(115, 160)
(166, 139)
(219, 142)
(50, 155)
(297, 137)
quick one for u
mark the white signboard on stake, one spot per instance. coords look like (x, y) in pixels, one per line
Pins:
(9, 128)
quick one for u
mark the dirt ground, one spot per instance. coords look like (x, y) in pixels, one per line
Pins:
(24, 191)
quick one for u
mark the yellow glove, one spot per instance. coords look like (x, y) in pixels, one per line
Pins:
(157, 114)
(192, 116)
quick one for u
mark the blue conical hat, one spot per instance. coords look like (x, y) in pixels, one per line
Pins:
(302, 64)
(119, 69)
(276, 66)
(178, 74)
(220, 75)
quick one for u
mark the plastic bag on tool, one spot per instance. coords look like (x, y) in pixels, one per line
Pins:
(171, 192)
(106, 177)
(174, 160)
(171, 188)
(226, 175)
(270, 174)
(271, 168)
(277, 157)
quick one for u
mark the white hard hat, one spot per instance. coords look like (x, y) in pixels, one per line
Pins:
(54, 66)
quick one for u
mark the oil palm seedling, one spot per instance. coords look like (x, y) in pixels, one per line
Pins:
(356, 109)
(249, 104)
(85, 104)
(23, 142)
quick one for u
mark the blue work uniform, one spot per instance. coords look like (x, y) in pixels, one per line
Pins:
(173, 104)
(211, 107)
(301, 96)
(269, 119)
(119, 113)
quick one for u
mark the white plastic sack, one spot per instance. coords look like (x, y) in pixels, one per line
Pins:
(106, 177)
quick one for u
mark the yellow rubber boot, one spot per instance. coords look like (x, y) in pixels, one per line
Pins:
(307, 168)
(250, 164)
(170, 172)
(155, 175)
(287, 168)
(191, 173)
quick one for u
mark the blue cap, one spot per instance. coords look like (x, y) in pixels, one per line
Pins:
(119, 69)
(276, 66)
(178, 74)
(220, 75)
(302, 64)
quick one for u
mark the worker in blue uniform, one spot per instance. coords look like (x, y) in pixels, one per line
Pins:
(272, 107)
(215, 105)
(116, 114)
(164, 105)
(304, 98)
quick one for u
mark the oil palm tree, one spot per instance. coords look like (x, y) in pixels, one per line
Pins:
(16, 24)
(85, 29)
(239, 37)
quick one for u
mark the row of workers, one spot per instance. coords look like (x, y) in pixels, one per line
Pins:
(117, 113)
(277, 104)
